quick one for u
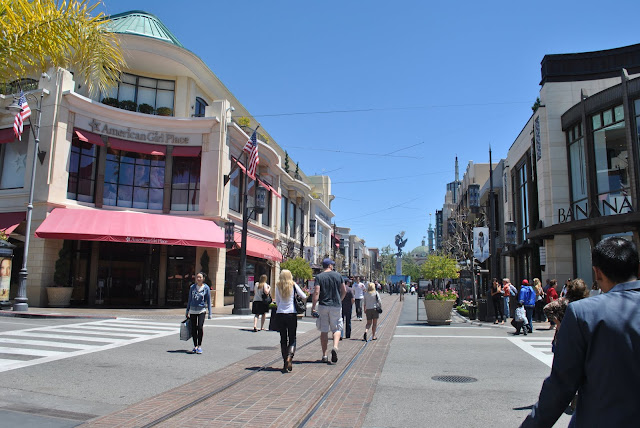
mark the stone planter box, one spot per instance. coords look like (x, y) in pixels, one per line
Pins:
(439, 311)
(59, 297)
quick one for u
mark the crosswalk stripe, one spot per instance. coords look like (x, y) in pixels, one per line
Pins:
(96, 335)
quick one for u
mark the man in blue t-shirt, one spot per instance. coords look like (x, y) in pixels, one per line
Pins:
(327, 297)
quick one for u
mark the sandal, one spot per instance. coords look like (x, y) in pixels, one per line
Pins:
(255, 329)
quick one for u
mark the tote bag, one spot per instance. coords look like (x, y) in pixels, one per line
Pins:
(185, 329)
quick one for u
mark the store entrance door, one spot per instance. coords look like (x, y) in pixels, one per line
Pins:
(127, 274)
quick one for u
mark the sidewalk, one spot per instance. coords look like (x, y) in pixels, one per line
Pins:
(106, 313)
(245, 394)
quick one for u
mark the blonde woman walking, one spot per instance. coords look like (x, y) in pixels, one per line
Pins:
(287, 317)
(261, 300)
(371, 299)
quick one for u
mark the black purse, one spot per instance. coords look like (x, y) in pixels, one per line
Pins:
(266, 298)
(298, 303)
(378, 304)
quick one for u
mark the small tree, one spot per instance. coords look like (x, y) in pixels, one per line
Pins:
(439, 267)
(410, 267)
(62, 273)
(299, 268)
(286, 162)
(387, 260)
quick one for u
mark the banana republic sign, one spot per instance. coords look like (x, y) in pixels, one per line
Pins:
(605, 207)
(136, 134)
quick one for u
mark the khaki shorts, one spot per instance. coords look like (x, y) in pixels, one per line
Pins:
(330, 318)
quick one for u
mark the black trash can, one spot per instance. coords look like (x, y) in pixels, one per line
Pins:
(472, 312)
(483, 309)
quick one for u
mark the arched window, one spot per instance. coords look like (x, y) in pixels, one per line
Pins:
(200, 106)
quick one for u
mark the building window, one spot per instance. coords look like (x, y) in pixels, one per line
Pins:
(583, 259)
(199, 108)
(283, 215)
(185, 184)
(291, 219)
(251, 198)
(266, 214)
(134, 180)
(235, 187)
(523, 200)
(578, 171)
(157, 94)
(83, 164)
(13, 158)
(611, 161)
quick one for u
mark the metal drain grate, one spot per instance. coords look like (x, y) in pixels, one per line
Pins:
(454, 379)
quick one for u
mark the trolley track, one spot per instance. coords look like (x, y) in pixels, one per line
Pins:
(309, 414)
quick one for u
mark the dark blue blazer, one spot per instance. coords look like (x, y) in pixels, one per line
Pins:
(598, 355)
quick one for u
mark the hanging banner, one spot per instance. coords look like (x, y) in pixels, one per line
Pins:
(481, 243)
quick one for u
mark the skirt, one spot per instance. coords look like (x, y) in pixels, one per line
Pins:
(372, 314)
(259, 308)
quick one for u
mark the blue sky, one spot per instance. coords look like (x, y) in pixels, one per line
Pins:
(434, 81)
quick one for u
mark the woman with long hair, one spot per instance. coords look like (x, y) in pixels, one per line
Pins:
(197, 305)
(540, 301)
(496, 298)
(371, 299)
(260, 305)
(287, 316)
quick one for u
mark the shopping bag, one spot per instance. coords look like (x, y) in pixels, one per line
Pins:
(185, 329)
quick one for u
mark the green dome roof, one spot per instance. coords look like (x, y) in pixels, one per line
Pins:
(142, 24)
(421, 251)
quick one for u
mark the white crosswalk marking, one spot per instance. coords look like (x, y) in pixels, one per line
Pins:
(538, 347)
(45, 344)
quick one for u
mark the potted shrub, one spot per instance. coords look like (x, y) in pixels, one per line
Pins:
(113, 102)
(128, 105)
(164, 111)
(145, 108)
(439, 305)
(60, 294)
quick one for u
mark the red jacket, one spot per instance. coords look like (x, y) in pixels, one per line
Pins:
(552, 295)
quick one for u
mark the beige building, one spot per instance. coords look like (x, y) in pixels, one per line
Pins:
(137, 184)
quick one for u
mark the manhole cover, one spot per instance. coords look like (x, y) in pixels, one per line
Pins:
(261, 348)
(454, 379)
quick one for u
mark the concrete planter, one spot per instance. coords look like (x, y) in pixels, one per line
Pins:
(59, 297)
(439, 311)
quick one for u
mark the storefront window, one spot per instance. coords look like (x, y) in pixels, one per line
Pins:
(583, 260)
(199, 107)
(234, 190)
(578, 170)
(266, 214)
(82, 171)
(611, 159)
(14, 162)
(291, 219)
(181, 267)
(251, 198)
(134, 180)
(185, 184)
(523, 203)
(158, 94)
(283, 214)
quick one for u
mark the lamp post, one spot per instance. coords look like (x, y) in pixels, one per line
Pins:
(21, 301)
(241, 295)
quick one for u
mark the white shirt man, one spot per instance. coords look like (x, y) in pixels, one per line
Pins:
(358, 294)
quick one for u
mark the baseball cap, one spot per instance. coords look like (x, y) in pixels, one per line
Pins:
(525, 282)
(326, 262)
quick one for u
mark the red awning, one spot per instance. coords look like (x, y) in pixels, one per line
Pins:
(260, 249)
(9, 221)
(132, 146)
(187, 151)
(89, 137)
(7, 135)
(270, 188)
(130, 227)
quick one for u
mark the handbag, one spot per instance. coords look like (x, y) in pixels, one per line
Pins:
(378, 304)
(266, 298)
(185, 329)
(298, 303)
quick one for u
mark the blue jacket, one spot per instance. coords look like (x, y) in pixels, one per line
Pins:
(597, 354)
(527, 295)
(199, 300)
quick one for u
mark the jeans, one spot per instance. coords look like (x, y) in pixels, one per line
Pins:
(346, 317)
(497, 307)
(505, 299)
(529, 310)
(359, 308)
(197, 328)
(288, 324)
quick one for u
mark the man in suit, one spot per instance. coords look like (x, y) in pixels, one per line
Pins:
(598, 348)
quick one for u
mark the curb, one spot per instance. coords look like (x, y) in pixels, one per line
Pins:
(55, 316)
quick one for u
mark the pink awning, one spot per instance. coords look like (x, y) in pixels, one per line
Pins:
(89, 137)
(187, 151)
(9, 221)
(259, 248)
(132, 146)
(270, 188)
(130, 227)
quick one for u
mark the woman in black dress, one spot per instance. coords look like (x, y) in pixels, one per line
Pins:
(261, 300)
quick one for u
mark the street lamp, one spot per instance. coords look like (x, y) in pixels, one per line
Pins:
(21, 300)
(312, 227)
(241, 295)
(229, 230)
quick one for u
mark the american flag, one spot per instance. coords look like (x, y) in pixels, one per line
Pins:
(251, 149)
(18, 123)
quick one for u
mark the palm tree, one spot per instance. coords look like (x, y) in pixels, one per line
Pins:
(40, 34)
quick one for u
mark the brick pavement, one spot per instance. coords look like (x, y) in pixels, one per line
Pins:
(244, 395)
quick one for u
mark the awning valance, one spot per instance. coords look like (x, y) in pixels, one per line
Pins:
(260, 249)
(187, 151)
(7, 135)
(132, 146)
(130, 227)
(89, 137)
(9, 221)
